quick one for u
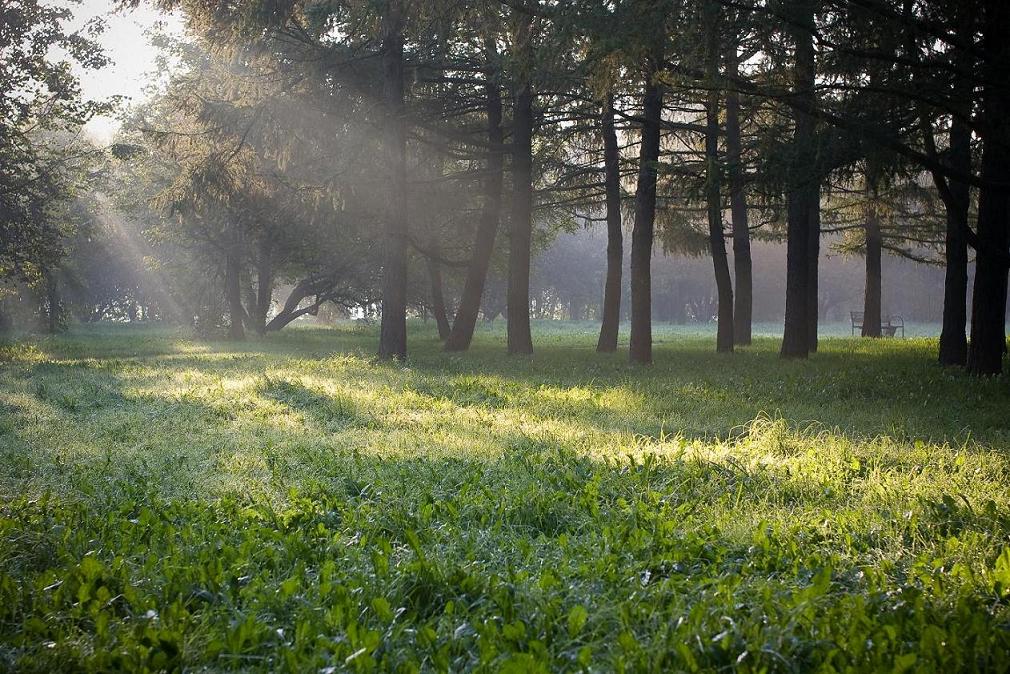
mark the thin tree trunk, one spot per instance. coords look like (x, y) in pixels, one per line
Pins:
(742, 264)
(487, 230)
(437, 296)
(813, 264)
(953, 339)
(520, 340)
(615, 236)
(645, 215)
(713, 192)
(6, 322)
(264, 284)
(233, 293)
(873, 245)
(796, 339)
(54, 307)
(393, 330)
(957, 202)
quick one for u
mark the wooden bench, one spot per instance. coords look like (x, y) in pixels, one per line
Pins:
(889, 325)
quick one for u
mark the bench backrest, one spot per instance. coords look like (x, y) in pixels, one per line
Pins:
(857, 317)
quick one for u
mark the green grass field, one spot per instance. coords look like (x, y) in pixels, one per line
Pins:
(290, 504)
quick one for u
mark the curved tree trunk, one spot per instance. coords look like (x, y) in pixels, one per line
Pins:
(520, 340)
(615, 236)
(487, 229)
(742, 263)
(645, 216)
(393, 330)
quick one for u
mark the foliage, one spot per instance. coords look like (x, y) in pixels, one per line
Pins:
(41, 109)
(291, 505)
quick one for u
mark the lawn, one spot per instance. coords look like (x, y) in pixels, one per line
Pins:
(289, 504)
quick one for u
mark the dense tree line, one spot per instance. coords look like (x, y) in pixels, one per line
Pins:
(405, 157)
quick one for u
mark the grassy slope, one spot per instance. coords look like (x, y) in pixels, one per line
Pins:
(290, 504)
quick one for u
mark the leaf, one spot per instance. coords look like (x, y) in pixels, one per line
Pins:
(382, 609)
(903, 663)
(1001, 574)
(577, 618)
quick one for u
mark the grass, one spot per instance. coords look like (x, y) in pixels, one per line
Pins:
(291, 505)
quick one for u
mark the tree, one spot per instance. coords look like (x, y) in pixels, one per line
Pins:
(803, 192)
(988, 316)
(42, 161)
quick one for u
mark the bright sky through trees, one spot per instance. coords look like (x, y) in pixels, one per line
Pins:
(127, 41)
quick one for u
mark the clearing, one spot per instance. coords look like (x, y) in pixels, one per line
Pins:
(290, 504)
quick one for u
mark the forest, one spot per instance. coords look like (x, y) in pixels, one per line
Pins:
(505, 335)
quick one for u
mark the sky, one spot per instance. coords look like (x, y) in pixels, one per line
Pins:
(134, 59)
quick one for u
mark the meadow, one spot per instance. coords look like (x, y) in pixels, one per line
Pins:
(290, 504)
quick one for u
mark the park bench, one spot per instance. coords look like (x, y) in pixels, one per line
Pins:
(889, 325)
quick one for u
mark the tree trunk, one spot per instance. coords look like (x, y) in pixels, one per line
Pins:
(953, 340)
(813, 264)
(957, 202)
(393, 330)
(437, 296)
(988, 319)
(713, 192)
(645, 215)
(873, 244)
(6, 322)
(520, 341)
(742, 264)
(487, 229)
(233, 293)
(54, 306)
(802, 188)
(615, 236)
(264, 285)
(988, 310)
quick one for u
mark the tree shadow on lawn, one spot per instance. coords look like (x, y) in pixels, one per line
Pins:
(863, 388)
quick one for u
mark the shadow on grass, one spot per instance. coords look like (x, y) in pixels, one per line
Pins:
(863, 388)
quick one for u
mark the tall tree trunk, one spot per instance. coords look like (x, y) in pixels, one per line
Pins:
(393, 329)
(6, 322)
(713, 192)
(264, 284)
(813, 264)
(873, 245)
(953, 340)
(520, 341)
(476, 276)
(957, 202)
(233, 293)
(54, 305)
(615, 236)
(437, 296)
(802, 187)
(742, 264)
(645, 216)
(988, 310)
